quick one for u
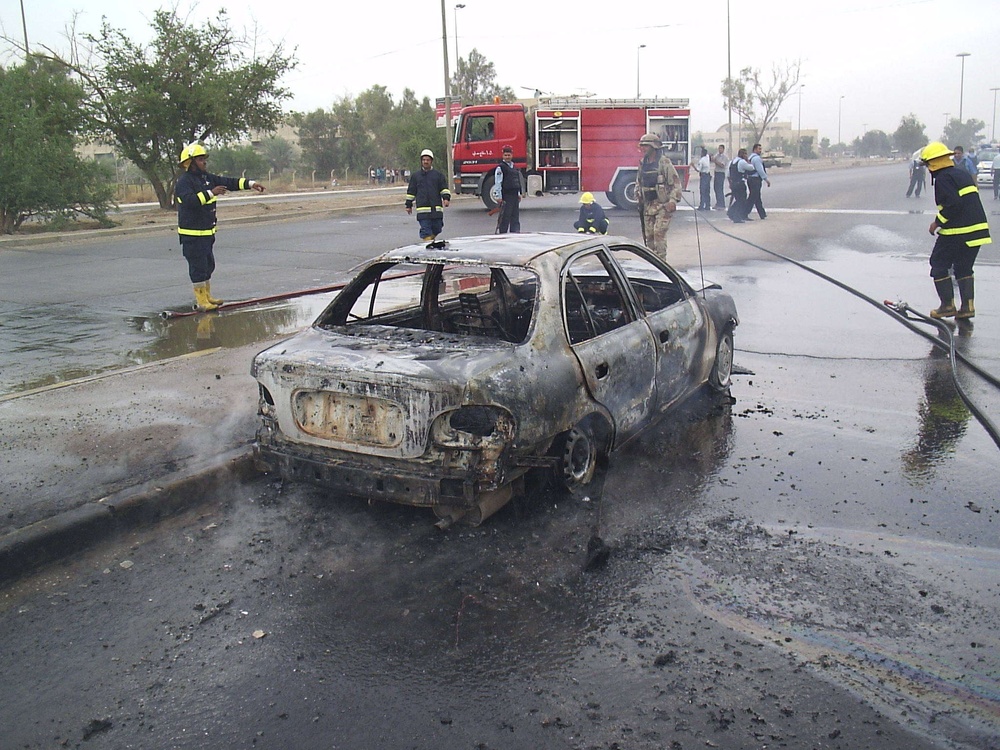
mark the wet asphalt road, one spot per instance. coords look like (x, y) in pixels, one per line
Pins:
(812, 565)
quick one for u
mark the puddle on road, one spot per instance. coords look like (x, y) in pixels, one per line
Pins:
(64, 343)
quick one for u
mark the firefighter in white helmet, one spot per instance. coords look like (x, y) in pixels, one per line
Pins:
(196, 193)
(428, 189)
(961, 229)
(658, 188)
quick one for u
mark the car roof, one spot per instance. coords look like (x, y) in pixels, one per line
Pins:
(499, 249)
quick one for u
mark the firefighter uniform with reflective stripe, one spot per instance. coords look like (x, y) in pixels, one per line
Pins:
(428, 191)
(196, 218)
(659, 192)
(961, 230)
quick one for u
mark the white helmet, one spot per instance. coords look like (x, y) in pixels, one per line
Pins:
(426, 152)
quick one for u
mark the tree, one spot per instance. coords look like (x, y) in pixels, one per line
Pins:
(233, 161)
(806, 147)
(757, 102)
(475, 81)
(873, 143)
(279, 153)
(193, 82)
(965, 134)
(42, 174)
(909, 136)
(318, 132)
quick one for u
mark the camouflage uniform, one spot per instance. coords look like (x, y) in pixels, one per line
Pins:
(659, 192)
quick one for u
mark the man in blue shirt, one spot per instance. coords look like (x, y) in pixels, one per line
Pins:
(754, 181)
(962, 161)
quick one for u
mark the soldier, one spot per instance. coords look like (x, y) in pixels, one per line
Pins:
(658, 189)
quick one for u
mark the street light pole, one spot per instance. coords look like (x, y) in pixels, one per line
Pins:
(798, 146)
(729, 79)
(840, 109)
(993, 137)
(457, 7)
(961, 90)
(447, 94)
(641, 46)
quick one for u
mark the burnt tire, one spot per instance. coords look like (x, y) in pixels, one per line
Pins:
(721, 376)
(578, 458)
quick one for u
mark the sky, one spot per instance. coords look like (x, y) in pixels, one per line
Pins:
(865, 63)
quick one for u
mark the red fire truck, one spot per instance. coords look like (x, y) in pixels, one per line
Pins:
(568, 145)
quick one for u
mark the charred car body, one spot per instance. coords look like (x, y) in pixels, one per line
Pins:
(440, 376)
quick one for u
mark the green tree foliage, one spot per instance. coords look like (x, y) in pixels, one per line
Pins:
(873, 143)
(475, 82)
(909, 136)
(279, 153)
(966, 134)
(234, 161)
(41, 173)
(755, 101)
(194, 81)
(369, 130)
(806, 148)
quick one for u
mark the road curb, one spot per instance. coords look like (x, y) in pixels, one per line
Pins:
(29, 548)
(57, 238)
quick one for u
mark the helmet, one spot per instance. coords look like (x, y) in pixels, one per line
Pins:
(191, 151)
(587, 198)
(426, 152)
(934, 150)
(508, 149)
(651, 139)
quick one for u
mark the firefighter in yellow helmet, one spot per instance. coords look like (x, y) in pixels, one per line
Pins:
(196, 192)
(658, 188)
(961, 228)
(592, 219)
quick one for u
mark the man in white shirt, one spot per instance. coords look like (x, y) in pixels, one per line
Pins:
(704, 168)
(721, 161)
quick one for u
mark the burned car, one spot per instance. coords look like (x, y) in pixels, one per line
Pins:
(440, 376)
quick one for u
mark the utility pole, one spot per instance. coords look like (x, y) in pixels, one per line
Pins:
(447, 96)
(961, 90)
(24, 26)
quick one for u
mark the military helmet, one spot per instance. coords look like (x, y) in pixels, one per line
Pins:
(651, 139)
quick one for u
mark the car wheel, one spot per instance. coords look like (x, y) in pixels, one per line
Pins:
(577, 458)
(722, 370)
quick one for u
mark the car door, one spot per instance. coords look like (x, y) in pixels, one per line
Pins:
(676, 320)
(614, 347)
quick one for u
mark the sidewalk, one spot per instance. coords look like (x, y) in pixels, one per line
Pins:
(90, 457)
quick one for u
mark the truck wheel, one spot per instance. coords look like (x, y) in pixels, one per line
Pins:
(623, 192)
(487, 189)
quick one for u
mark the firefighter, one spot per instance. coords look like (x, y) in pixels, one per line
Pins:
(428, 188)
(961, 230)
(196, 193)
(658, 191)
(592, 219)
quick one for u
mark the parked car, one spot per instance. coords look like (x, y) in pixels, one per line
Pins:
(984, 170)
(441, 375)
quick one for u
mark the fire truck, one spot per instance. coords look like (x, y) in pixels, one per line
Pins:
(568, 145)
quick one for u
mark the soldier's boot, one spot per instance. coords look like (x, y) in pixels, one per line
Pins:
(946, 293)
(213, 300)
(201, 300)
(967, 288)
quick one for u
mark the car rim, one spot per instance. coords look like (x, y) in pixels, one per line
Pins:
(579, 458)
(724, 361)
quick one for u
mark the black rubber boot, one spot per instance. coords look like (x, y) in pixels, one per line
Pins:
(967, 288)
(946, 293)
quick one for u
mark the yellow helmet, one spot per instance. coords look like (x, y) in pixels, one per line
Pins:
(587, 198)
(191, 151)
(935, 150)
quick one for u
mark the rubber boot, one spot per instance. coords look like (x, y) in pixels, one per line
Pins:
(946, 292)
(201, 297)
(967, 288)
(213, 300)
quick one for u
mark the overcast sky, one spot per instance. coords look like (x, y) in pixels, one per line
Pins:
(886, 58)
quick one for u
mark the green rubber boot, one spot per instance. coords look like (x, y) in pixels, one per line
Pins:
(967, 288)
(946, 293)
